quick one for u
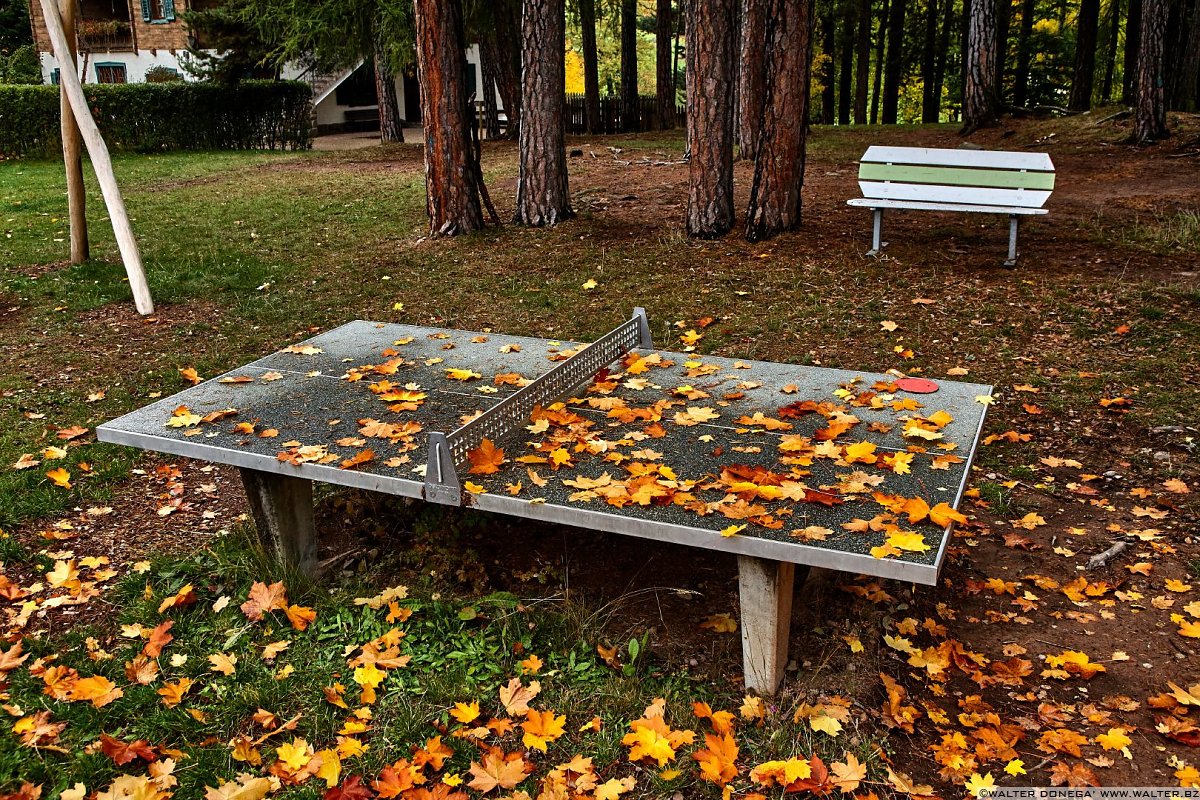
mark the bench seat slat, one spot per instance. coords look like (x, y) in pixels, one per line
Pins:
(864, 202)
(947, 157)
(967, 195)
(956, 176)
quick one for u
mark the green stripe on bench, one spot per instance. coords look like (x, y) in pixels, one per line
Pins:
(956, 176)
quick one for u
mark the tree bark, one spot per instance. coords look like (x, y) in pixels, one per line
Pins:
(1110, 52)
(451, 175)
(1133, 40)
(487, 76)
(1021, 78)
(630, 121)
(775, 199)
(591, 67)
(931, 105)
(752, 76)
(503, 45)
(828, 77)
(980, 100)
(862, 67)
(1003, 23)
(1150, 113)
(846, 68)
(895, 62)
(1085, 56)
(543, 195)
(879, 43)
(72, 141)
(943, 48)
(664, 76)
(1189, 72)
(710, 54)
(391, 127)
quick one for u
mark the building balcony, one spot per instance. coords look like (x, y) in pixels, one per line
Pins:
(104, 35)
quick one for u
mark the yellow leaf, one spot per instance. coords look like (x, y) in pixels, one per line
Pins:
(465, 712)
(826, 725)
(908, 540)
(720, 623)
(295, 755)
(462, 374)
(899, 462)
(225, 664)
(1115, 739)
(978, 783)
(330, 769)
(60, 477)
(860, 451)
(589, 284)
(1015, 767)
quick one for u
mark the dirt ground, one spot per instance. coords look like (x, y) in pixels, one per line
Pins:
(667, 590)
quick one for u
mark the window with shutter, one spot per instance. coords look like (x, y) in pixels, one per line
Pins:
(169, 10)
(146, 10)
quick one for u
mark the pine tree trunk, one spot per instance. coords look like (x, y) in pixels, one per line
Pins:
(1133, 40)
(591, 67)
(895, 62)
(775, 200)
(391, 127)
(931, 105)
(1189, 73)
(503, 42)
(943, 48)
(1003, 22)
(879, 42)
(710, 54)
(451, 175)
(664, 77)
(828, 32)
(862, 67)
(543, 196)
(1021, 79)
(487, 75)
(1110, 50)
(1085, 56)
(630, 121)
(980, 102)
(752, 75)
(964, 37)
(1150, 113)
(846, 68)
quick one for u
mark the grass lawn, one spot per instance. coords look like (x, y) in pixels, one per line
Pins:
(247, 252)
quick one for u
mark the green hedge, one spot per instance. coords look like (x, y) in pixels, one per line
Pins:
(152, 117)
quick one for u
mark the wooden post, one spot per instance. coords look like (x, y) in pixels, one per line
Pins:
(101, 162)
(765, 593)
(73, 147)
(282, 507)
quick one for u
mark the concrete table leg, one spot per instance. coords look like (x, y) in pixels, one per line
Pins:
(877, 242)
(283, 513)
(765, 591)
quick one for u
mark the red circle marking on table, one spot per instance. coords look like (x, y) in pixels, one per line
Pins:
(916, 385)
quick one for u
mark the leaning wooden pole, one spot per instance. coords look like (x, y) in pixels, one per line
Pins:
(73, 149)
(101, 162)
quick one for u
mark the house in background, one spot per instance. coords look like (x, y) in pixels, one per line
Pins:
(119, 40)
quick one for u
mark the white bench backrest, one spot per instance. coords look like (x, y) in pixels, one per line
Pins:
(938, 175)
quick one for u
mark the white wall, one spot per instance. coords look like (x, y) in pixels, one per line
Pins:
(136, 64)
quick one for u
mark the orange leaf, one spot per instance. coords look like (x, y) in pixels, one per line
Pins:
(300, 616)
(159, 638)
(263, 599)
(184, 597)
(486, 458)
(497, 771)
(361, 457)
(122, 753)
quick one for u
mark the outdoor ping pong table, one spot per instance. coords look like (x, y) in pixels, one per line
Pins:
(782, 465)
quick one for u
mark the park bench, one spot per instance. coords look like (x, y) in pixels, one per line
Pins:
(744, 457)
(936, 179)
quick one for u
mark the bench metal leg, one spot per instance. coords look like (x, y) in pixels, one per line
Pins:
(1012, 241)
(876, 232)
(283, 513)
(765, 593)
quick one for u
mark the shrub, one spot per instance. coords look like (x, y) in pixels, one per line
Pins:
(21, 66)
(154, 117)
(163, 75)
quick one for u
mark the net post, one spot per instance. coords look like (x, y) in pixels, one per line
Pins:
(441, 479)
(644, 339)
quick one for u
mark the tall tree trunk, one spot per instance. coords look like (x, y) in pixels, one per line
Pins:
(591, 67)
(665, 77)
(931, 104)
(752, 75)
(862, 67)
(828, 39)
(1021, 78)
(1189, 72)
(943, 48)
(1133, 40)
(1085, 55)
(710, 54)
(629, 68)
(846, 68)
(1003, 22)
(779, 169)
(503, 42)
(543, 196)
(1150, 113)
(1110, 50)
(391, 127)
(879, 43)
(451, 175)
(895, 62)
(964, 37)
(980, 101)
(487, 75)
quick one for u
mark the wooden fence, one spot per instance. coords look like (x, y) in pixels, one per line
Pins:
(610, 115)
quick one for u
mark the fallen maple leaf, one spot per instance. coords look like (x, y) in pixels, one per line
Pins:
(486, 459)
(60, 477)
(497, 771)
(264, 599)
